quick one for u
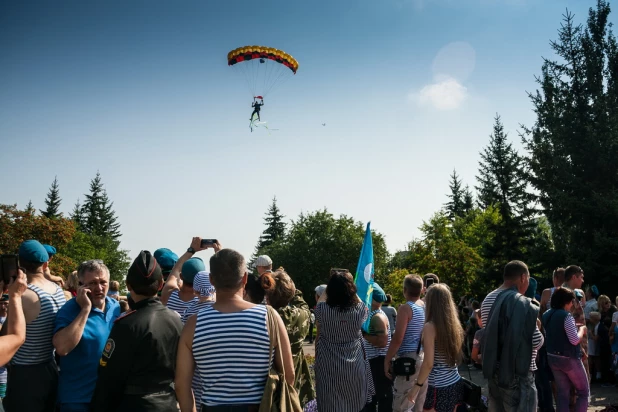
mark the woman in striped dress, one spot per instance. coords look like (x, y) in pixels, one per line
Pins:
(340, 367)
(228, 344)
(442, 344)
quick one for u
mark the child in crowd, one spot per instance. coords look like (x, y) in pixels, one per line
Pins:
(114, 290)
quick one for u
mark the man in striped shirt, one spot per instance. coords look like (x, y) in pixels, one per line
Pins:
(520, 393)
(33, 374)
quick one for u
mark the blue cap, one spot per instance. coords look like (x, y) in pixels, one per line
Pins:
(191, 268)
(595, 291)
(531, 291)
(378, 294)
(33, 251)
(166, 258)
(51, 251)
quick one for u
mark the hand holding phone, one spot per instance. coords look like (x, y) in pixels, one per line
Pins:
(429, 282)
(206, 243)
(9, 267)
(83, 297)
(18, 285)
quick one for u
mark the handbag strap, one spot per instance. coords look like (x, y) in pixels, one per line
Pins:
(273, 332)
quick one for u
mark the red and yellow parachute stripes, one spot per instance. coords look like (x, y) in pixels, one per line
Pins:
(246, 53)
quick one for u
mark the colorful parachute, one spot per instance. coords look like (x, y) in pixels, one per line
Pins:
(264, 68)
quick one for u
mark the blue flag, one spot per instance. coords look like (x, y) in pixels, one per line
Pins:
(364, 273)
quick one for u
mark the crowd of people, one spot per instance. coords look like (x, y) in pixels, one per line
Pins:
(186, 339)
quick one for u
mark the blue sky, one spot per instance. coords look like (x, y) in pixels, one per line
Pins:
(141, 92)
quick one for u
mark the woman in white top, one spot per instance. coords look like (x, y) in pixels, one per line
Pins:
(228, 343)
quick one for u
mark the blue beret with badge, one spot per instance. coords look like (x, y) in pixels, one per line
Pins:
(33, 251)
(191, 268)
(51, 251)
(378, 294)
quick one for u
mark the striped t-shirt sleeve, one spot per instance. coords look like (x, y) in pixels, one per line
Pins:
(571, 329)
(488, 302)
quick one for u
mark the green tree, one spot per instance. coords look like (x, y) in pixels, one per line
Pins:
(19, 225)
(573, 145)
(503, 185)
(456, 204)
(468, 200)
(85, 246)
(317, 242)
(30, 207)
(77, 216)
(99, 217)
(275, 226)
(52, 201)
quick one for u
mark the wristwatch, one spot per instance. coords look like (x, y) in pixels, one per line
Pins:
(191, 250)
(419, 384)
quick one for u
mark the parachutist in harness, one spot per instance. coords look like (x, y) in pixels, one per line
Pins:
(256, 109)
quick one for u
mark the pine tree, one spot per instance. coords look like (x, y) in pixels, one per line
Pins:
(573, 144)
(468, 200)
(98, 216)
(455, 206)
(502, 185)
(30, 207)
(77, 216)
(52, 202)
(275, 226)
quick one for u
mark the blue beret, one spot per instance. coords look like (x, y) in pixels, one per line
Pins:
(378, 294)
(531, 291)
(166, 258)
(51, 251)
(33, 251)
(191, 268)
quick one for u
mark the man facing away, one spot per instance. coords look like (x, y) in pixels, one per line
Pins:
(81, 330)
(510, 342)
(33, 375)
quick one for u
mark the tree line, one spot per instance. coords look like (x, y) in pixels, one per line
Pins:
(553, 205)
(91, 231)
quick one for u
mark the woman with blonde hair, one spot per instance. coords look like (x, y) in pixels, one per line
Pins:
(72, 284)
(442, 343)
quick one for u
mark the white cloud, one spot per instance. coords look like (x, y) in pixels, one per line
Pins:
(446, 94)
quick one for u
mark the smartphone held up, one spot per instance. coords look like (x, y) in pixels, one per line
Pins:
(9, 268)
(208, 242)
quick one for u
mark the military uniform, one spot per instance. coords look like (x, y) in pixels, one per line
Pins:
(138, 364)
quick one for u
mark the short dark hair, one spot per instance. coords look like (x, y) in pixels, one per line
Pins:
(476, 305)
(389, 300)
(30, 267)
(341, 290)
(514, 269)
(413, 284)
(561, 297)
(571, 271)
(227, 268)
(559, 274)
(433, 276)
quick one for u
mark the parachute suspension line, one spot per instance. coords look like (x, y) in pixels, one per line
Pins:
(245, 73)
(269, 70)
(281, 73)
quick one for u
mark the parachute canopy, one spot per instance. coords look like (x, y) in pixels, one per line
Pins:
(264, 68)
